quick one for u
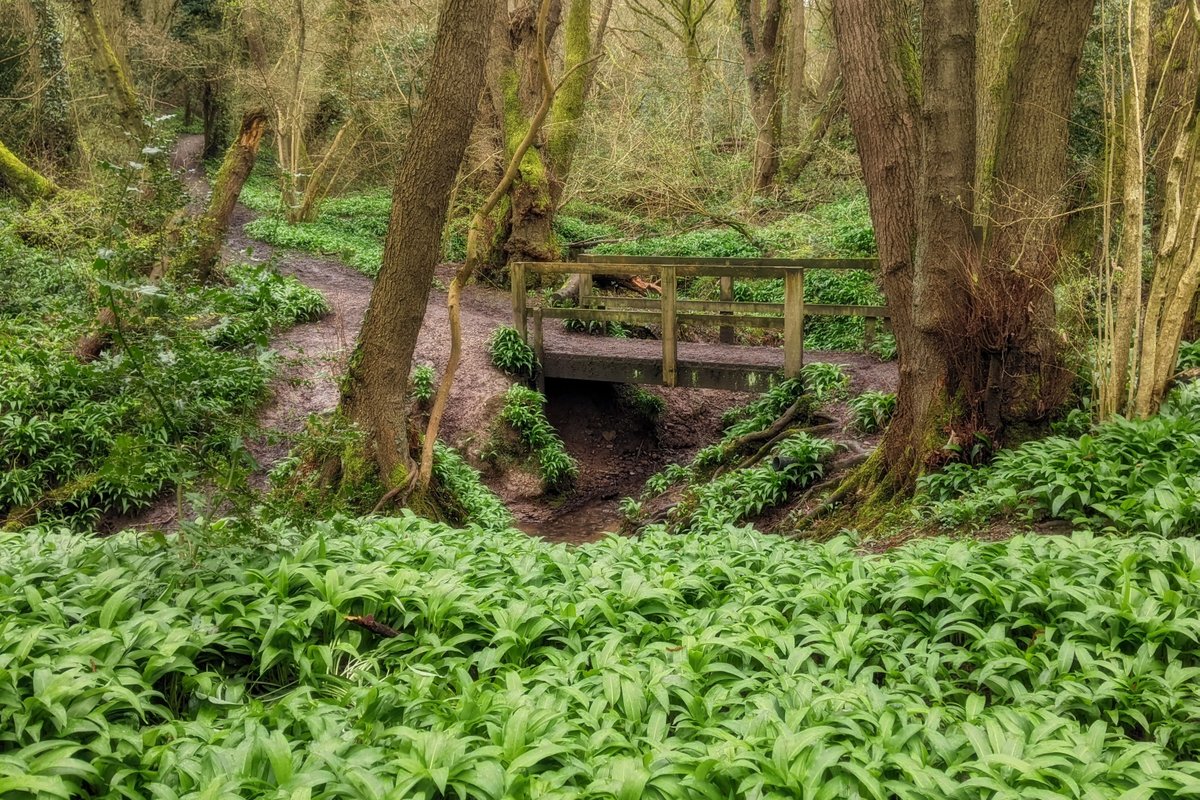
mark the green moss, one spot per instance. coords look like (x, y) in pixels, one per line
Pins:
(567, 110)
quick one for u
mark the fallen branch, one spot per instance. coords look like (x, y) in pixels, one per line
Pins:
(373, 625)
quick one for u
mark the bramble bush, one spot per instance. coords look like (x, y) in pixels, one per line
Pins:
(717, 664)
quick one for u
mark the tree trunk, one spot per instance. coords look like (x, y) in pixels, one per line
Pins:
(525, 229)
(969, 306)
(121, 90)
(211, 112)
(760, 29)
(800, 96)
(55, 130)
(235, 169)
(374, 394)
(24, 182)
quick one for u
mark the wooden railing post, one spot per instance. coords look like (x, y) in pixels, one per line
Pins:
(517, 274)
(793, 323)
(539, 350)
(727, 297)
(585, 290)
(869, 333)
(667, 279)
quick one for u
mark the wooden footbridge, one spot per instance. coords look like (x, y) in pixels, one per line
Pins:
(669, 362)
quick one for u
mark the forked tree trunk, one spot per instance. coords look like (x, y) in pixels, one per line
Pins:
(119, 86)
(524, 224)
(227, 187)
(22, 180)
(374, 394)
(971, 300)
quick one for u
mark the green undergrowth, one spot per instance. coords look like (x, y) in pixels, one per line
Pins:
(363, 253)
(737, 494)
(524, 415)
(168, 401)
(870, 412)
(705, 665)
(1122, 475)
(330, 472)
(510, 354)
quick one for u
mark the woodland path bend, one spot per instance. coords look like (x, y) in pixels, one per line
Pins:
(615, 455)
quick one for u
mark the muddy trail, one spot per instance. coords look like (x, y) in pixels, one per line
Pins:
(616, 451)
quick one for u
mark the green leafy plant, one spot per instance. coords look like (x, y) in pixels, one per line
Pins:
(742, 493)
(644, 404)
(1123, 475)
(399, 656)
(510, 354)
(524, 412)
(825, 381)
(461, 489)
(421, 382)
(871, 411)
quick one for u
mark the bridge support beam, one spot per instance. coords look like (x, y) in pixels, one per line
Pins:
(667, 278)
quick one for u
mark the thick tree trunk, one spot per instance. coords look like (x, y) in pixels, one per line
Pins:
(374, 394)
(235, 169)
(524, 223)
(969, 306)
(24, 182)
(760, 33)
(119, 86)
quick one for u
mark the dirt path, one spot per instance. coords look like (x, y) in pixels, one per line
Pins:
(616, 452)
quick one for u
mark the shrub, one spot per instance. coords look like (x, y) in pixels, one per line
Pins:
(463, 493)
(170, 400)
(871, 411)
(511, 355)
(824, 381)
(524, 412)
(644, 404)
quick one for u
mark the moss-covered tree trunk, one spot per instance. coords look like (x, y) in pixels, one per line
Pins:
(21, 180)
(524, 222)
(375, 389)
(971, 299)
(119, 86)
(235, 169)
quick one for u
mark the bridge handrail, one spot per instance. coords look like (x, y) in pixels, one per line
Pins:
(668, 311)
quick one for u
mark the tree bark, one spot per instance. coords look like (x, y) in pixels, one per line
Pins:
(759, 34)
(23, 181)
(969, 303)
(374, 393)
(120, 88)
(800, 95)
(235, 169)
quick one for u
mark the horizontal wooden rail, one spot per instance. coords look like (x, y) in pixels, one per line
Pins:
(702, 263)
(692, 269)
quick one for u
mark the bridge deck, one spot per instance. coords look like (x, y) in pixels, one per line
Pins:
(700, 365)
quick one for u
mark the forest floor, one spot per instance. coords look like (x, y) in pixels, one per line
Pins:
(616, 452)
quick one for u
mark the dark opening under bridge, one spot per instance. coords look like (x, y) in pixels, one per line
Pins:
(667, 361)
